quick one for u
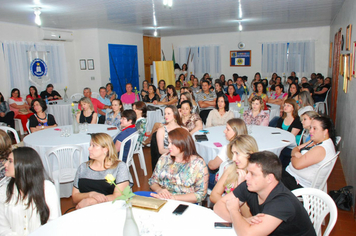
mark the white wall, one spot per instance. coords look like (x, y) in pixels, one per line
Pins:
(87, 44)
(346, 112)
(253, 41)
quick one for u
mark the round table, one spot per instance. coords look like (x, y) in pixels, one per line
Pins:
(62, 111)
(109, 219)
(273, 111)
(267, 138)
(44, 140)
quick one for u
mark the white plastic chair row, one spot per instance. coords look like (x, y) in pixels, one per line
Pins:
(76, 96)
(318, 204)
(320, 106)
(9, 129)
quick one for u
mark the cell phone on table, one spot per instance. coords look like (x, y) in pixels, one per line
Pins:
(180, 209)
(223, 225)
(217, 144)
(111, 128)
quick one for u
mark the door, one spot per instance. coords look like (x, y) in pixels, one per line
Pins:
(123, 67)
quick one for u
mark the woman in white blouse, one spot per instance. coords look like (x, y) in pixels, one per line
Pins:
(221, 114)
(27, 201)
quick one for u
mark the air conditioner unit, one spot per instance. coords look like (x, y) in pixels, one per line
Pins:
(57, 35)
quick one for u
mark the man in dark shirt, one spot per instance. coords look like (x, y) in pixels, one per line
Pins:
(275, 210)
(50, 93)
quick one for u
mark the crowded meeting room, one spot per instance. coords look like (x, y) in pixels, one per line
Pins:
(177, 117)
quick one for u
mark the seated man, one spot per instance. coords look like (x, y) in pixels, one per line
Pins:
(129, 97)
(128, 120)
(50, 93)
(104, 100)
(275, 209)
(96, 103)
(206, 100)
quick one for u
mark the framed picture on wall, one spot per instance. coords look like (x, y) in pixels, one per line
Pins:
(348, 37)
(240, 58)
(83, 64)
(90, 64)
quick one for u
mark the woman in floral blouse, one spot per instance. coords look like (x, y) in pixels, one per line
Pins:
(190, 120)
(180, 174)
(256, 115)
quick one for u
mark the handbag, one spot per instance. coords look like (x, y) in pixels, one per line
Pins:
(343, 197)
(23, 111)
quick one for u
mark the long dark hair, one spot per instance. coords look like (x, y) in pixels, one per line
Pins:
(296, 93)
(327, 123)
(29, 180)
(175, 114)
(29, 91)
(174, 91)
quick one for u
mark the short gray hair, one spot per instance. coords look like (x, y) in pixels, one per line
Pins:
(86, 88)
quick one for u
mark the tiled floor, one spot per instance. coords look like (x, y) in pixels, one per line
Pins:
(345, 226)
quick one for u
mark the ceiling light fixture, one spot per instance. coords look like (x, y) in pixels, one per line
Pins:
(240, 9)
(37, 13)
(240, 26)
(168, 3)
(155, 33)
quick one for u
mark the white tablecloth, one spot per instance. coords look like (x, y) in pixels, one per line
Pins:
(109, 219)
(62, 111)
(262, 134)
(273, 111)
(44, 140)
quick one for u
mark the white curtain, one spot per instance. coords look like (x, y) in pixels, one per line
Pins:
(274, 58)
(206, 59)
(285, 57)
(301, 58)
(18, 64)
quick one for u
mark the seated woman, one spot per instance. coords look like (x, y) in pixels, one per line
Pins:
(255, 115)
(33, 94)
(20, 108)
(159, 139)
(278, 82)
(87, 114)
(219, 88)
(141, 110)
(178, 86)
(190, 120)
(238, 152)
(306, 103)
(293, 92)
(128, 120)
(152, 95)
(110, 93)
(231, 94)
(171, 98)
(278, 96)
(28, 200)
(40, 120)
(6, 115)
(161, 90)
(290, 120)
(186, 96)
(259, 91)
(196, 87)
(221, 114)
(5, 150)
(308, 157)
(144, 90)
(113, 117)
(322, 89)
(180, 174)
(90, 186)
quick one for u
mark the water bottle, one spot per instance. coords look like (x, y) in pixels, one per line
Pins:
(46, 100)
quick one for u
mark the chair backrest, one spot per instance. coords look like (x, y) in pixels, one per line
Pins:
(28, 126)
(76, 96)
(95, 95)
(67, 161)
(337, 140)
(6, 129)
(133, 137)
(301, 137)
(327, 95)
(318, 204)
(329, 164)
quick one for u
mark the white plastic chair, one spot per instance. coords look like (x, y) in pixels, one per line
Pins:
(141, 157)
(28, 126)
(318, 204)
(329, 164)
(301, 137)
(95, 95)
(18, 126)
(129, 161)
(6, 129)
(320, 106)
(337, 140)
(76, 96)
(67, 161)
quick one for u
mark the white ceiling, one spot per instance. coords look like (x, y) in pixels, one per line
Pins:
(185, 17)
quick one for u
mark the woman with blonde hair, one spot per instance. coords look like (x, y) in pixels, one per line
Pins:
(239, 150)
(306, 103)
(90, 186)
(87, 114)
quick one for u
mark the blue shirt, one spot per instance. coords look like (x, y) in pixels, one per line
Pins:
(105, 101)
(121, 136)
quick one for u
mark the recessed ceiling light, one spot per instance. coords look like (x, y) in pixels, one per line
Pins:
(37, 13)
